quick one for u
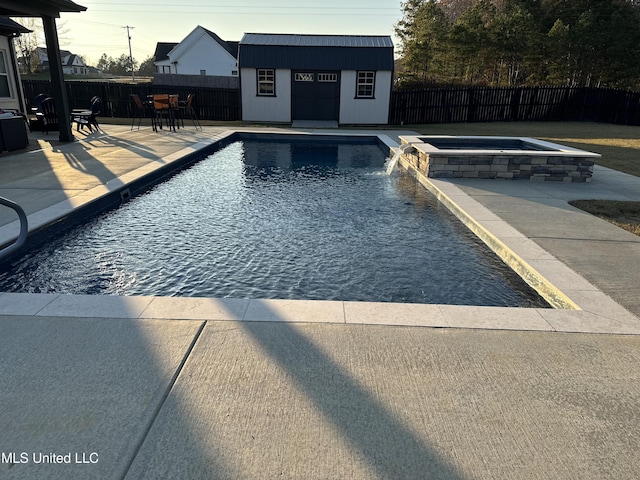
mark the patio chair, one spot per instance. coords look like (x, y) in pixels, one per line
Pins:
(186, 108)
(37, 102)
(140, 109)
(174, 106)
(88, 117)
(46, 114)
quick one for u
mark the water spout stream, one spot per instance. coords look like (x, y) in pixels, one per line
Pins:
(396, 156)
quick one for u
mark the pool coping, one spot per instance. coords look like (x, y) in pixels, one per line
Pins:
(585, 308)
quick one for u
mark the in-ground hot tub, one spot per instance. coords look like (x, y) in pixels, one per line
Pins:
(496, 157)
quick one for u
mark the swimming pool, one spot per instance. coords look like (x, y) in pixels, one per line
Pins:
(278, 219)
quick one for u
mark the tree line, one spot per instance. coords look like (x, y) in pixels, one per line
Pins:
(520, 42)
(123, 65)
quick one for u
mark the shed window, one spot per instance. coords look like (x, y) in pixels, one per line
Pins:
(203, 72)
(327, 77)
(366, 84)
(266, 82)
(4, 77)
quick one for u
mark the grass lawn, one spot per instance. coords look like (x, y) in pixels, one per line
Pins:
(623, 214)
(619, 146)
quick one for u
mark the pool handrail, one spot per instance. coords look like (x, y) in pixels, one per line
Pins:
(24, 228)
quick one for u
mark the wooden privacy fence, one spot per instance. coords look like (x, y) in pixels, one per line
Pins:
(486, 104)
(415, 106)
(209, 103)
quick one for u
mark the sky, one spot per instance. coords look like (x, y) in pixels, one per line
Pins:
(100, 29)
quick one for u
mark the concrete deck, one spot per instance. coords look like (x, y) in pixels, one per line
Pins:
(153, 387)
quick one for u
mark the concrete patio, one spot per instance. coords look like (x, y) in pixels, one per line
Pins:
(157, 387)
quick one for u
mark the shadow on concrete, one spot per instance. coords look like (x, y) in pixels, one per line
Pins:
(261, 399)
(389, 447)
(46, 170)
(85, 390)
(102, 139)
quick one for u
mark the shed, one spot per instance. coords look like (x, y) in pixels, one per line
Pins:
(288, 77)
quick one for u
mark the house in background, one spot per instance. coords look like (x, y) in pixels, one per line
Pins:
(343, 78)
(11, 96)
(201, 59)
(72, 64)
(161, 56)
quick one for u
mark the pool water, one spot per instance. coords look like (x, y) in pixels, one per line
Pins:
(273, 219)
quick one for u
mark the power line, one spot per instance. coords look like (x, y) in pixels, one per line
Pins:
(95, 23)
(270, 7)
(242, 12)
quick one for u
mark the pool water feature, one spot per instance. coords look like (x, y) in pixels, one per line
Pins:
(393, 161)
(287, 219)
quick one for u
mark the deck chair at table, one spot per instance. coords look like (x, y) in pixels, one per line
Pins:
(46, 113)
(88, 117)
(35, 119)
(37, 102)
(186, 108)
(140, 109)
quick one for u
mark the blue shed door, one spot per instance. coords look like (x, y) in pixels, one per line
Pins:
(315, 95)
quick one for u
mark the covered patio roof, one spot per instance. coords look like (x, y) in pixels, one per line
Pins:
(9, 26)
(49, 10)
(38, 8)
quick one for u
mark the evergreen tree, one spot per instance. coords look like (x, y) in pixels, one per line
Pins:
(147, 67)
(105, 63)
(472, 41)
(424, 33)
(516, 40)
(557, 64)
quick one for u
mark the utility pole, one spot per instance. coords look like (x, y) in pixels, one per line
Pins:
(133, 76)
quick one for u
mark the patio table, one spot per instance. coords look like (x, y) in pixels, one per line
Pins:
(165, 107)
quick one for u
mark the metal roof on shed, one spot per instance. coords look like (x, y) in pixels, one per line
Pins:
(300, 40)
(317, 52)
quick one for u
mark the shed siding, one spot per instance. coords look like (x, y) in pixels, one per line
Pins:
(266, 109)
(365, 110)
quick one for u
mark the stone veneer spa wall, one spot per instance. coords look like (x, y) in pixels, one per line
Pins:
(497, 157)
